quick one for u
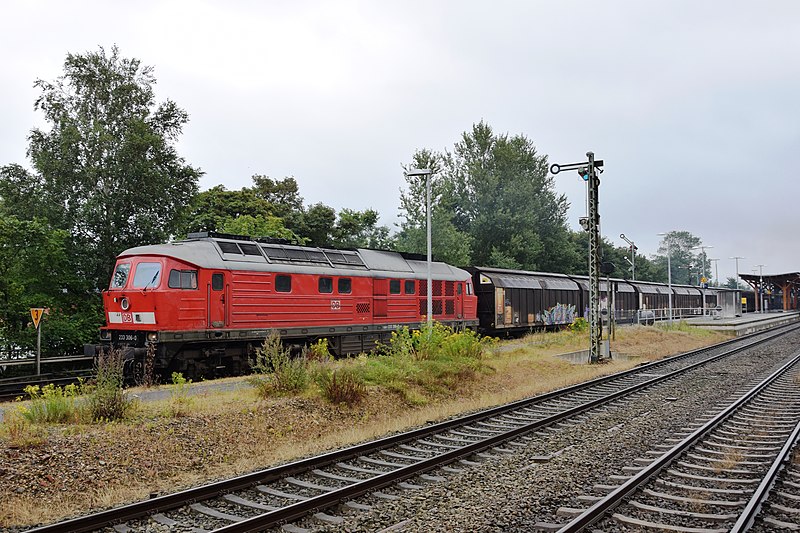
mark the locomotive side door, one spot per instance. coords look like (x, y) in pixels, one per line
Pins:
(217, 300)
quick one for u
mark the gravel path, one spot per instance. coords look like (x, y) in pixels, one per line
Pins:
(515, 492)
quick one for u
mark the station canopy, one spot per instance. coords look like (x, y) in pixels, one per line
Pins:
(787, 284)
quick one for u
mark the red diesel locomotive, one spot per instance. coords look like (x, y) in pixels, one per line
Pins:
(204, 303)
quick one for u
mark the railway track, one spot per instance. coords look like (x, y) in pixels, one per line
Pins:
(713, 478)
(287, 493)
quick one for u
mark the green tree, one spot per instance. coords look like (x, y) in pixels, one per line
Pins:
(448, 243)
(316, 224)
(360, 229)
(497, 192)
(211, 210)
(259, 226)
(35, 271)
(106, 167)
(282, 195)
(687, 265)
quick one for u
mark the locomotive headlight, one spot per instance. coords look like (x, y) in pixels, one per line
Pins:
(152, 337)
(125, 304)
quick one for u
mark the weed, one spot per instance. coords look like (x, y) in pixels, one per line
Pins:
(52, 405)
(318, 352)
(148, 379)
(20, 432)
(341, 386)
(271, 354)
(729, 460)
(180, 402)
(579, 325)
(108, 400)
(435, 341)
(279, 372)
(434, 361)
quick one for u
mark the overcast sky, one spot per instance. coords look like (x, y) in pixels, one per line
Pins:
(694, 106)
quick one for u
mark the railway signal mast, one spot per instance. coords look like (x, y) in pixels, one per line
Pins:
(590, 171)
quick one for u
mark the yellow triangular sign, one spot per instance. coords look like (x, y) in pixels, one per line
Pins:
(36, 315)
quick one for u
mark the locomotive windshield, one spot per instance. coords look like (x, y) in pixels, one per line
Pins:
(147, 275)
(120, 276)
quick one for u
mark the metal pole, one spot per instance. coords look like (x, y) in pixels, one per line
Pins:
(761, 285)
(416, 172)
(669, 281)
(736, 274)
(39, 349)
(716, 271)
(430, 282)
(595, 331)
(669, 273)
(591, 223)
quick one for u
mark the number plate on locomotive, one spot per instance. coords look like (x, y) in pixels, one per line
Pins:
(127, 337)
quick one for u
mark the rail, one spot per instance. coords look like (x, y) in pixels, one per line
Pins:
(425, 448)
(601, 509)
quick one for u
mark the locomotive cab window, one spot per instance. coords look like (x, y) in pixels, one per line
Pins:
(147, 275)
(120, 277)
(394, 286)
(325, 285)
(217, 281)
(345, 286)
(458, 290)
(182, 279)
(283, 283)
(409, 286)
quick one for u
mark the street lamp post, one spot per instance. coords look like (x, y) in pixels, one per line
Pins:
(716, 270)
(736, 274)
(761, 285)
(427, 173)
(669, 275)
(703, 247)
(633, 255)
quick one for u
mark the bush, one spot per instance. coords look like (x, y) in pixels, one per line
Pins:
(341, 386)
(52, 405)
(319, 352)
(465, 343)
(579, 325)
(436, 341)
(280, 373)
(108, 401)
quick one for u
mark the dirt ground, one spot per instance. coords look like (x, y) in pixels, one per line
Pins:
(74, 469)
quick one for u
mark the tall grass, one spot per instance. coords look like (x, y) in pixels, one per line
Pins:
(180, 402)
(277, 372)
(51, 404)
(108, 400)
(431, 362)
(341, 386)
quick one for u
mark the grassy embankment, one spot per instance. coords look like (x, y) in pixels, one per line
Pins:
(52, 470)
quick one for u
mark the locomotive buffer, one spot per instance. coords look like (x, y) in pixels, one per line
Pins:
(589, 172)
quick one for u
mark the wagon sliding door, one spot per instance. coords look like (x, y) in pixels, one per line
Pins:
(217, 300)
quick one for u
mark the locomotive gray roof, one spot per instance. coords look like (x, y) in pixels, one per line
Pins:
(219, 254)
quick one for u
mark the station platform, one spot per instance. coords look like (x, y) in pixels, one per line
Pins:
(747, 323)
